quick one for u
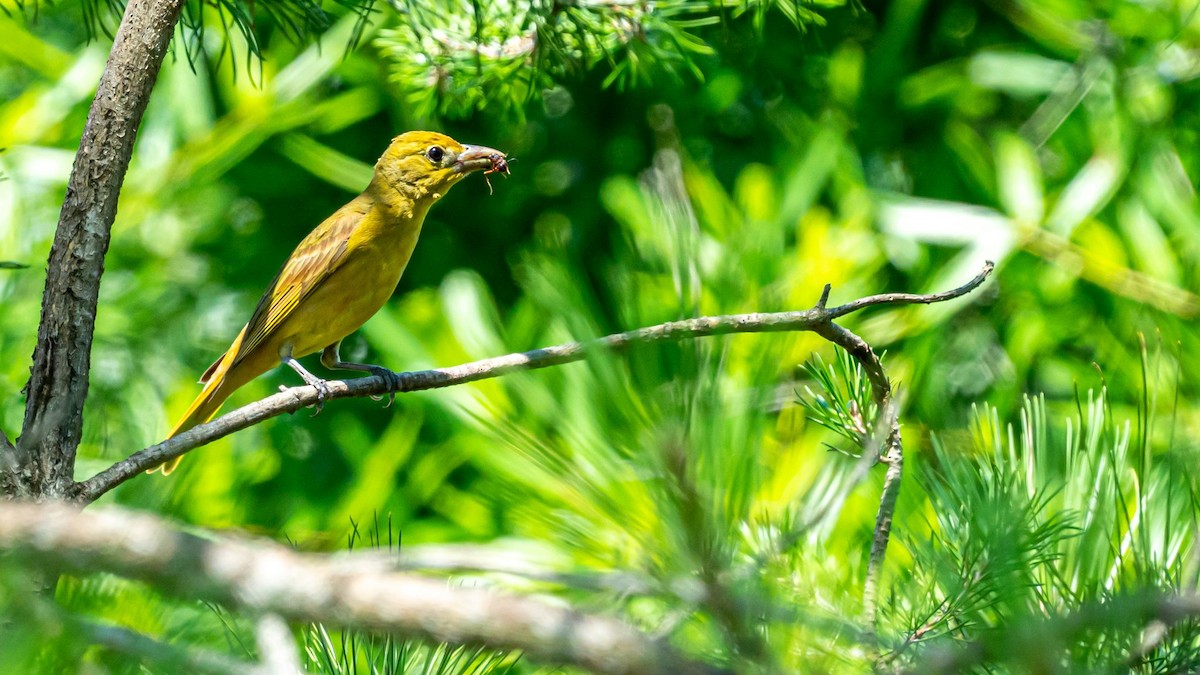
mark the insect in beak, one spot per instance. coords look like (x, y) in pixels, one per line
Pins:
(476, 157)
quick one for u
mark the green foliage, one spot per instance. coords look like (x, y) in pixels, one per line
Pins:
(232, 25)
(671, 166)
(457, 58)
(385, 656)
(846, 406)
(1030, 522)
(349, 652)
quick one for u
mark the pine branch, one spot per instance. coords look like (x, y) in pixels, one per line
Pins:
(819, 319)
(260, 576)
(1036, 643)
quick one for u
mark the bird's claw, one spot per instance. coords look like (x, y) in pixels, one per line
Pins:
(322, 391)
(393, 383)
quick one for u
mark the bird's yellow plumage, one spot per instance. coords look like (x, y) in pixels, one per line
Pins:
(343, 271)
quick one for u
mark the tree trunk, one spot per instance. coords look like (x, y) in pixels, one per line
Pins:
(58, 382)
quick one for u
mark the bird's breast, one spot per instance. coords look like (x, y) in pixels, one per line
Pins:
(375, 257)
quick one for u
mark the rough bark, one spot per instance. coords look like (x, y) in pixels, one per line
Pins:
(58, 382)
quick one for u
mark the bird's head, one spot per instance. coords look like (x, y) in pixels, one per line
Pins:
(424, 164)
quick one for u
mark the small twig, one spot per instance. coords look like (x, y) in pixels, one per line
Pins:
(893, 452)
(893, 456)
(914, 298)
(260, 576)
(883, 529)
(824, 299)
(818, 319)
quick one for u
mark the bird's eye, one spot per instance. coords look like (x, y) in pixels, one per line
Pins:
(435, 153)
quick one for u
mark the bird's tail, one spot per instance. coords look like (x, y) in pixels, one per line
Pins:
(219, 384)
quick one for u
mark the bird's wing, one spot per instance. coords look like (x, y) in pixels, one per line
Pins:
(317, 256)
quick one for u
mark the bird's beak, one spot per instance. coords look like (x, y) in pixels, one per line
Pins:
(476, 157)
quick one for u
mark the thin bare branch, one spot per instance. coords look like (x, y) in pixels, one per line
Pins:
(817, 319)
(914, 298)
(885, 424)
(893, 452)
(262, 577)
(894, 458)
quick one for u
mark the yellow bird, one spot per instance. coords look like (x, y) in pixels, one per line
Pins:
(342, 272)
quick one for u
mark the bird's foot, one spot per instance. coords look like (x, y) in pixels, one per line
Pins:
(320, 385)
(311, 380)
(393, 383)
(322, 388)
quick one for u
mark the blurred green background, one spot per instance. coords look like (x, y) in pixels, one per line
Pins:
(692, 161)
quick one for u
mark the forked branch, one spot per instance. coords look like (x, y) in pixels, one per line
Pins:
(818, 319)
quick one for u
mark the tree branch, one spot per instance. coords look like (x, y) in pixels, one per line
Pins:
(881, 390)
(893, 452)
(263, 577)
(58, 381)
(913, 298)
(819, 319)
